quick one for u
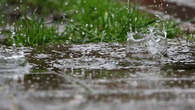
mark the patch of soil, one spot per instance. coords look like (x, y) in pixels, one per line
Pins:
(181, 11)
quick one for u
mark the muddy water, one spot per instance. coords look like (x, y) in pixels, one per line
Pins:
(97, 76)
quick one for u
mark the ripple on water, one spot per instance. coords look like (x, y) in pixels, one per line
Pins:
(104, 76)
(13, 62)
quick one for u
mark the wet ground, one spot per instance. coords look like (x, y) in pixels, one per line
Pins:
(182, 9)
(97, 76)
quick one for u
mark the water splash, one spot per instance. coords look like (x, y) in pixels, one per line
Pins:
(154, 41)
(157, 42)
(12, 62)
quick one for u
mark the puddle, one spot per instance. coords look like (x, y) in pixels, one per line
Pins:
(94, 76)
(13, 62)
(106, 76)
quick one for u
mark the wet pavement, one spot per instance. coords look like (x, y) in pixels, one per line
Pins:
(98, 76)
(183, 9)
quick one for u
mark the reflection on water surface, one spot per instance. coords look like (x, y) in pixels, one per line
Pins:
(94, 76)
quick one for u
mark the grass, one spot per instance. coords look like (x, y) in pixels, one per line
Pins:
(85, 21)
(191, 37)
(33, 33)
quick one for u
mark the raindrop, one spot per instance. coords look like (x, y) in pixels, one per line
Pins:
(71, 20)
(86, 25)
(66, 3)
(83, 33)
(91, 25)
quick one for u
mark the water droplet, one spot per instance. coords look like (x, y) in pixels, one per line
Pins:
(86, 25)
(66, 3)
